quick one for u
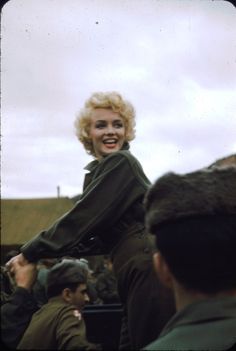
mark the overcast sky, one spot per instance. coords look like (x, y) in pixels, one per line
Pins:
(175, 61)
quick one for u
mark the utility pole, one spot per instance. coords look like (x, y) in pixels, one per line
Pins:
(58, 191)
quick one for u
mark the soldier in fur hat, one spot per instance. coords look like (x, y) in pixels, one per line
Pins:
(193, 218)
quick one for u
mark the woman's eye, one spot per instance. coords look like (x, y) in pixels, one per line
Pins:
(118, 125)
(100, 125)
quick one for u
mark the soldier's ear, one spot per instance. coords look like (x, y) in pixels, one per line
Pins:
(162, 269)
(67, 295)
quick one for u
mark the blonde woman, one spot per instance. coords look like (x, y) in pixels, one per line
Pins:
(109, 218)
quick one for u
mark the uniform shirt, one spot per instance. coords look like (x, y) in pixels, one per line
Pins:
(56, 326)
(204, 325)
(112, 197)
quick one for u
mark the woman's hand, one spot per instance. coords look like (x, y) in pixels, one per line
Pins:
(19, 259)
(25, 275)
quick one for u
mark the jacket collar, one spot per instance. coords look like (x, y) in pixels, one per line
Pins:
(93, 164)
(200, 311)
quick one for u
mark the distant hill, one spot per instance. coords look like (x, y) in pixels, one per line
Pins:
(22, 219)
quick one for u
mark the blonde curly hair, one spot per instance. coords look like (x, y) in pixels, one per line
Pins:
(108, 100)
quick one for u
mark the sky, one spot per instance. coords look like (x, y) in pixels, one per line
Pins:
(175, 61)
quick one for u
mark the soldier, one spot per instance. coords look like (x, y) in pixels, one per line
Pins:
(106, 284)
(193, 217)
(59, 324)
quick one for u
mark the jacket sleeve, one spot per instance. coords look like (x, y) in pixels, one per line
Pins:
(16, 314)
(119, 181)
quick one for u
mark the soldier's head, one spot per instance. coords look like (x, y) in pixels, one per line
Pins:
(193, 218)
(68, 279)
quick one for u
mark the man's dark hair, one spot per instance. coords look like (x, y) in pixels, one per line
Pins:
(193, 218)
(66, 274)
(55, 290)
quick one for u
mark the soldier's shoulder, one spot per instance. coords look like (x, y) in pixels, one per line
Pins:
(71, 311)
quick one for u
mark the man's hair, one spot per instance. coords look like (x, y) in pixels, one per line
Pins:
(66, 274)
(193, 218)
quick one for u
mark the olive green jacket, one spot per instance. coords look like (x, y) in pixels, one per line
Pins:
(56, 326)
(205, 325)
(111, 201)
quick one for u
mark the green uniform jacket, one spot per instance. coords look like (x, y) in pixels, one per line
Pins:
(56, 326)
(111, 202)
(110, 210)
(205, 325)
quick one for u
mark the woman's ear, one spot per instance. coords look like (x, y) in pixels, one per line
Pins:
(67, 295)
(162, 269)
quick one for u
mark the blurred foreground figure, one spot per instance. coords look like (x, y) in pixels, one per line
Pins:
(193, 218)
(20, 304)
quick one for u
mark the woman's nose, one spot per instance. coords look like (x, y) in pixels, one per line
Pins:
(110, 130)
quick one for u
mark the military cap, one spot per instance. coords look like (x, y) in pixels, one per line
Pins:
(201, 193)
(68, 271)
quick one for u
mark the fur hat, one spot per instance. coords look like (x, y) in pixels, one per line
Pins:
(204, 192)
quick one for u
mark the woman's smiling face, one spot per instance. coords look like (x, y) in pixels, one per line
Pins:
(107, 131)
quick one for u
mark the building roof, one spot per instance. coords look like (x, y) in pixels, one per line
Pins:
(21, 220)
